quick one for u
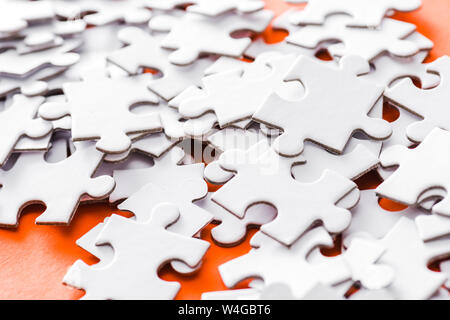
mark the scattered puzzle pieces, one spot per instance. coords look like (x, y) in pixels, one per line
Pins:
(186, 113)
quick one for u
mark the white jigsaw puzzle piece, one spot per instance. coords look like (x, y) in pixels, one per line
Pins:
(227, 139)
(102, 12)
(140, 249)
(429, 104)
(432, 226)
(208, 7)
(135, 160)
(389, 69)
(40, 181)
(409, 256)
(236, 94)
(398, 137)
(14, 64)
(420, 169)
(194, 34)
(200, 127)
(15, 15)
(358, 158)
(144, 50)
(154, 145)
(192, 217)
(62, 126)
(364, 13)
(100, 110)
(371, 221)
(19, 120)
(281, 22)
(34, 84)
(445, 268)
(232, 230)
(366, 43)
(361, 257)
(312, 116)
(259, 174)
(277, 263)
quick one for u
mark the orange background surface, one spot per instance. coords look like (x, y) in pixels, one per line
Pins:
(34, 258)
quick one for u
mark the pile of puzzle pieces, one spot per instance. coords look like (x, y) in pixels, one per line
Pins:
(140, 102)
